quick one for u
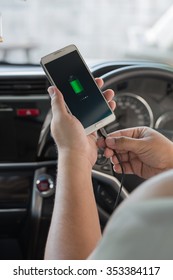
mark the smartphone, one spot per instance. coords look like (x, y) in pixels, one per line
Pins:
(67, 70)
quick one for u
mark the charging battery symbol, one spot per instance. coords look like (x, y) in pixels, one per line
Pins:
(76, 85)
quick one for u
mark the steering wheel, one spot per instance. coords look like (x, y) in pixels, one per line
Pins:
(112, 78)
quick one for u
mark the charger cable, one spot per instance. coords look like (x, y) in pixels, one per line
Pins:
(104, 135)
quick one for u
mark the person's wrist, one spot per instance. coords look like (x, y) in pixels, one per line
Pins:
(75, 159)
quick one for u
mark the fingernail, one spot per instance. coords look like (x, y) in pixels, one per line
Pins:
(51, 92)
(114, 169)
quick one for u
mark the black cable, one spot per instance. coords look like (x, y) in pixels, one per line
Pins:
(122, 179)
(104, 135)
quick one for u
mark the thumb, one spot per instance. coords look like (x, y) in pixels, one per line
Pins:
(123, 143)
(57, 102)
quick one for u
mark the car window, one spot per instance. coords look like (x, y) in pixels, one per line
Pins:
(102, 29)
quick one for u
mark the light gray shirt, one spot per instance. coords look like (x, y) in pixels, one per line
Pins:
(142, 231)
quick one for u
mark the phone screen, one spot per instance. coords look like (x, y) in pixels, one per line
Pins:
(81, 95)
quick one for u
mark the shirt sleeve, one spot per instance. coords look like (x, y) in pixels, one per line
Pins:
(143, 231)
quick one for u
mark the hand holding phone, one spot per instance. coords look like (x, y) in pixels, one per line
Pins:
(67, 70)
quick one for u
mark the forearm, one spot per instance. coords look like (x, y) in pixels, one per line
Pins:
(75, 228)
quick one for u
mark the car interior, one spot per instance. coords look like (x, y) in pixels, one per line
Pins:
(28, 155)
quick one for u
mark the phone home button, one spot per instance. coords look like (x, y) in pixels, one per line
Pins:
(98, 125)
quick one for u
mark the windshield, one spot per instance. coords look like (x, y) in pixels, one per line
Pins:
(101, 29)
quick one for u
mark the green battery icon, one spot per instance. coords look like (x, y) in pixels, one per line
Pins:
(76, 85)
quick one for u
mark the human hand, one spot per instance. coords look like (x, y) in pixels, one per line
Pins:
(68, 132)
(142, 151)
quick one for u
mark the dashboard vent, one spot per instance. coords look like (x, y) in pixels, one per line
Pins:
(23, 86)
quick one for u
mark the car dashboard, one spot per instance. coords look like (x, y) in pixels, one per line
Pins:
(28, 157)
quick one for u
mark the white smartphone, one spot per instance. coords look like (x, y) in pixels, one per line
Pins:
(67, 70)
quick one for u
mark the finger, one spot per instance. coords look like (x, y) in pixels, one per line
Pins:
(101, 143)
(108, 153)
(126, 168)
(112, 105)
(123, 166)
(121, 158)
(99, 82)
(133, 132)
(123, 143)
(109, 94)
(125, 157)
(57, 102)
